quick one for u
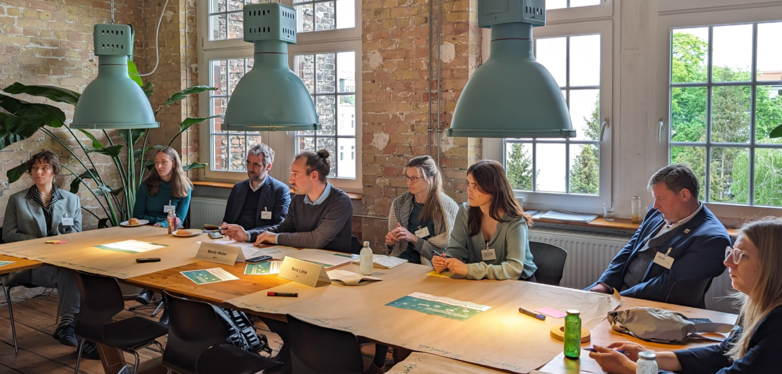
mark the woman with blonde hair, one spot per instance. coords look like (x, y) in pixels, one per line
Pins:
(165, 188)
(421, 219)
(754, 264)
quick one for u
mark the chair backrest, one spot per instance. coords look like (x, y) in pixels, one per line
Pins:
(101, 299)
(318, 350)
(550, 260)
(192, 328)
(689, 293)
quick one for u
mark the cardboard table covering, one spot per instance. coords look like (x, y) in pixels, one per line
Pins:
(80, 253)
(500, 337)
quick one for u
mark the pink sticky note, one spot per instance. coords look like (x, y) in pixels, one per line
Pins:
(551, 312)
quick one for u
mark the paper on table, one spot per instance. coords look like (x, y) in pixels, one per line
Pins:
(277, 252)
(424, 363)
(572, 217)
(263, 268)
(350, 278)
(387, 262)
(206, 276)
(131, 246)
(224, 241)
(325, 258)
(551, 312)
(439, 306)
(4, 263)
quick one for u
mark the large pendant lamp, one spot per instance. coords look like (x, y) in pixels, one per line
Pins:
(511, 95)
(113, 100)
(270, 97)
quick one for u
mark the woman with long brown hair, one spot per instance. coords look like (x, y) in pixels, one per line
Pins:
(753, 263)
(489, 239)
(165, 188)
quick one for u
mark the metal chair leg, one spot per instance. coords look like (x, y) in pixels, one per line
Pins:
(78, 358)
(158, 308)
(11, 315)
(135, 367)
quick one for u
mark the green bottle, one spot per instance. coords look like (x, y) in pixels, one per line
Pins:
(572, 334)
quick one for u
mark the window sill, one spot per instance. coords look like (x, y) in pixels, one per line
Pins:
(353, 196)
(617, 224)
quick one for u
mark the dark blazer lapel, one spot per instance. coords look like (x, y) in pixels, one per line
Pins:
(682, 232)
(267, 186)
(38, 216)
(244, 186)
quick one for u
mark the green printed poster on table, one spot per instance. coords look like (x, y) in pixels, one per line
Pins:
(208, 275)
(439, 306)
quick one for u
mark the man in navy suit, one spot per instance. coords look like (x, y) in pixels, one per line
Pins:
(258, 202)
(680, 245)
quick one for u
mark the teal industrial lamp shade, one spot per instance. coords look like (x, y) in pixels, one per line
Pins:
(270, 97)
(511, 95)
(113, 100)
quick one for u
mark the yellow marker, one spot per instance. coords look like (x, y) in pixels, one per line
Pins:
(51, 241)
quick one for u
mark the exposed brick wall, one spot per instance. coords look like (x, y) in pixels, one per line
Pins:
(396, 99)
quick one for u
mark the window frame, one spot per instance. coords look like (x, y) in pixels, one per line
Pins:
(494, 148)
(676, 17)
(340, 40)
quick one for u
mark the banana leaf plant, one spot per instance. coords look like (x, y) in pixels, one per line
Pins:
(23, 119)
(776, 132)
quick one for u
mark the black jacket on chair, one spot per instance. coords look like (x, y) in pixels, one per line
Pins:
(275, 197)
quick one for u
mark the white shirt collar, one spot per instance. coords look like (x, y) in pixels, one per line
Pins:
(263, 181)
(670, 226)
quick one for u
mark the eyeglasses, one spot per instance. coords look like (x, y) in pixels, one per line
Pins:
(412, 179)
(736, 254)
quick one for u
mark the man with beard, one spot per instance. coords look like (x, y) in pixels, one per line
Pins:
(258, 202)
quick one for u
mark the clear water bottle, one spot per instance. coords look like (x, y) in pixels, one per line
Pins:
(171, 220)
(573, 333)
(366, 258)
(647, 363)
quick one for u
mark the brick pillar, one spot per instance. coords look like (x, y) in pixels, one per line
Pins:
(396, 99)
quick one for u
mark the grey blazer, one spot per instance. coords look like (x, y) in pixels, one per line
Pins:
(24, 218)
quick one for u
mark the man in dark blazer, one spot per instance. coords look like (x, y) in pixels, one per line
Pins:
(258, 202)
(676, 251)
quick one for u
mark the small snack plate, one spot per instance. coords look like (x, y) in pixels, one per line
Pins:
(193, 232)
(141, 222)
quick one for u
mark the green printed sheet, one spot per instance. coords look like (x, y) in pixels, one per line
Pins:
(208, 276)
(439, 306)
(263, 268)
(4, 263)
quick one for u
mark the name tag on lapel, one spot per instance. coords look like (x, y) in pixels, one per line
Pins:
(663, 260)
(488, 254)
(422, 233)
(169, 208)
(67, 221)
(266, 214)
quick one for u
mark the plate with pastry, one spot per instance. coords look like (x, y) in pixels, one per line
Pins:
(182, 233)
(134, 222)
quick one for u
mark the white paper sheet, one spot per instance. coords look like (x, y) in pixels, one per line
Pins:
(350, 278)
(132, 246)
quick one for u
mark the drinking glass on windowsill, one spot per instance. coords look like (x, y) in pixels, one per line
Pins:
(608, 212)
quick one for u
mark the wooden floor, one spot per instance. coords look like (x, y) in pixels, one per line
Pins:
(39, 353)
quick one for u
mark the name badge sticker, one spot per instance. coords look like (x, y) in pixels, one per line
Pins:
(67, 221)
(266, 214)
(169, 208)
(422, 233)
(488, 254)
(663, 260)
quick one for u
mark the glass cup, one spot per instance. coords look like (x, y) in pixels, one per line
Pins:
(608, 212)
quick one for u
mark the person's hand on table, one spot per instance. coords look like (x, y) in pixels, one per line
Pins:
(601, 287)
(404, 234)
(631, 349)
(234, 232)
(391, 236)
(438, 262)
(266, 237)
(456, 266)
(612, 361)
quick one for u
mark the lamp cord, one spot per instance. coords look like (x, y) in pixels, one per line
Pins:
(157, 31)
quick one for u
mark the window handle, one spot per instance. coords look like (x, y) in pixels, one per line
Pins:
(603, 128)
(660, 131)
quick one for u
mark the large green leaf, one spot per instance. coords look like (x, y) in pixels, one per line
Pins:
(53, 116)
(135, 135)
(189, 121)
(14, 174)
(148, 89)
(776, 133)
(77, 181)
(184, 93)
(14, 129)
(194, 166)
(103, 190)
(60, 95)
(137, 153)
(133, 73)
(112, 151)
(148, 164)
(103, 223)
(95, 143)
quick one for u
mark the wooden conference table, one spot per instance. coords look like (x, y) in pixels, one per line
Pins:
(171, 280)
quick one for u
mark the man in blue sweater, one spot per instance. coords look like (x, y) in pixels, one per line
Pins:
(258, 202)
(676, 251)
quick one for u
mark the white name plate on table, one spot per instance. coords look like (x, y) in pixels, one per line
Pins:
(304, 272)
(220, 253)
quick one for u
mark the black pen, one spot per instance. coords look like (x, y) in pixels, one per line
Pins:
(532, 314)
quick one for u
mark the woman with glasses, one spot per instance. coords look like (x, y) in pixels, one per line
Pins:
(754, 265)
(489, 239)
(422, 218)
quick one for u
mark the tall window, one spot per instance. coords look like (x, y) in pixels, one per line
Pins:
(225, 18)
(564, 165)
(725, 98)
(560, 4)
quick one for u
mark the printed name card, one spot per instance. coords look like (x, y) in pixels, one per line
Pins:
(304, 272)
(220, 253)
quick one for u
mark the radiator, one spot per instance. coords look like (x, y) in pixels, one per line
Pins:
(589, 255)
(205, 210)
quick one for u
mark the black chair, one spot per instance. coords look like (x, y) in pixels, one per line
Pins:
(550, 260)
(101, 299)
(193, 328)
(689, 293)
(318, 350)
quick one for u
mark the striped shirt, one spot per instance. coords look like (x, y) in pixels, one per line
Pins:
(48, 210)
